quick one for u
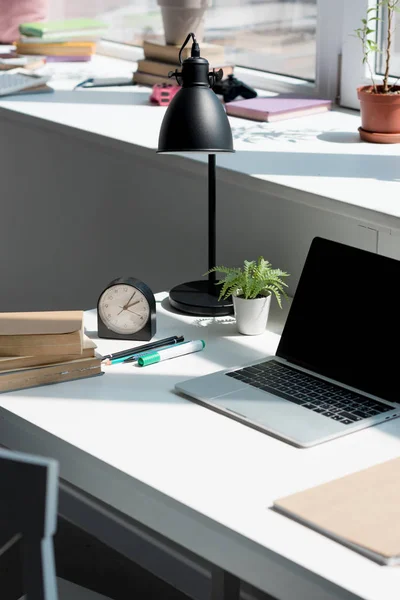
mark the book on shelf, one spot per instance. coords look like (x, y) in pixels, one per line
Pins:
(49, 29)
(275, 108)
(155, 67)
(162, 52)
(360, 511)
(8, 363)
(89, 36)
(151, 80)
(31, 63)
(43, 333)
(36, 89)
(59, 49)
(19, 379)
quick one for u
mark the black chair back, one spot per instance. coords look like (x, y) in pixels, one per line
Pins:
(28, 513)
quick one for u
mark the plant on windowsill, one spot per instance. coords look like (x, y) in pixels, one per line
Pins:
(379, 103)
(251, 288)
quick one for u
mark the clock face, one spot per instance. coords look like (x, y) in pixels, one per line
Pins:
(124, 309)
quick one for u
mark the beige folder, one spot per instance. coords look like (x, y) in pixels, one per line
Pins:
(361, 510)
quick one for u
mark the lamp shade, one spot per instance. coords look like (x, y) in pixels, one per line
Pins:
(195, 120)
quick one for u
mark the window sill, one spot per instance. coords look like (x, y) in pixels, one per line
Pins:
(318, 161)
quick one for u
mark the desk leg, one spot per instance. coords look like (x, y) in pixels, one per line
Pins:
(224, 586)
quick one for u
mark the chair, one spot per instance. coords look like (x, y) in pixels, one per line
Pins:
(28, 511)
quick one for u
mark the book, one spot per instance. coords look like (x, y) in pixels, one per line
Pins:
(53, 59)
(28, 62)
(51, 28)
(62, 49)
(214, 53)
(22, 362)
(154, 67)
(37, 89)
(46, 333)
(360, 511)
(19, 379)
(151, 80)
(275, 108)
(72, 36)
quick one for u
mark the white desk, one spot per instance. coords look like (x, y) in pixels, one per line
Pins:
(145, 469)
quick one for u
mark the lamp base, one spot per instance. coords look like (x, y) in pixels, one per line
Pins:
(194, 298)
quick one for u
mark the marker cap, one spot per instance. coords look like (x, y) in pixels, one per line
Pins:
(149, 359)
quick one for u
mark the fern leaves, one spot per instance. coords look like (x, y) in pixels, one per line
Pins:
(256, 278)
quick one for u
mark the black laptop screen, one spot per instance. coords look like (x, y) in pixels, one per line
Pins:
(344, 321)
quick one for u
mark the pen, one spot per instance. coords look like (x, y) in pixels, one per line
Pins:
(150, 358)
(134, 357)
(143, 348)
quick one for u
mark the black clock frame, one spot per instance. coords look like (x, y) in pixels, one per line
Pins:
(147, 331)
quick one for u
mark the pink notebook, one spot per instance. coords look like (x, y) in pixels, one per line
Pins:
(275, 108)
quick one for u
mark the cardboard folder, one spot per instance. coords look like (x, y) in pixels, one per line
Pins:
(49, 333)
(361, 511)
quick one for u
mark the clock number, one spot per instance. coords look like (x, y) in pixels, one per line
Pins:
(125, 289)
(106, 305)
(109, 315)
(110, 297)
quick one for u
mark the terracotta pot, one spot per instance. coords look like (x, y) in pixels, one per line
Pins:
(380, 113)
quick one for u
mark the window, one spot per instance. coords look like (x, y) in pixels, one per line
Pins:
(354, 72)
(295, 39)
(395, 54)
(270, 35)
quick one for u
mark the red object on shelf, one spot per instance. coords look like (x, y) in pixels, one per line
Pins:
(163, 93)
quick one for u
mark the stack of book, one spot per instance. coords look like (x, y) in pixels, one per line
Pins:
(73, 40)
(160, 59)
(38, 348)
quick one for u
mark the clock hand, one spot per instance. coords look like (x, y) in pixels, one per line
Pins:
(127, 304)
(133, 304)
(134, 313)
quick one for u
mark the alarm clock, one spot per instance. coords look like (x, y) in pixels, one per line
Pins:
(126, 310)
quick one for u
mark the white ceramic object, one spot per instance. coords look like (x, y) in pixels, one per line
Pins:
(251, 315)
(180, 17)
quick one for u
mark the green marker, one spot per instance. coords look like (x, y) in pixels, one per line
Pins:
(150, 358)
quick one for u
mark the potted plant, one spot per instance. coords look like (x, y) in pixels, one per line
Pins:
(181, 16)
(379, 103)
(251, 288)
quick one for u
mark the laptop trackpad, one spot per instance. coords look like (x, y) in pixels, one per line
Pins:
(277, 415)
(252, 404)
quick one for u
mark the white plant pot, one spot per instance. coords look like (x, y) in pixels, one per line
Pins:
(251, 315)
(180, 17)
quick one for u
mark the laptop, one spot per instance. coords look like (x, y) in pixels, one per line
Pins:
(336, 369)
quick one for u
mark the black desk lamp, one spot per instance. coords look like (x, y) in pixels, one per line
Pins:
(196, 121)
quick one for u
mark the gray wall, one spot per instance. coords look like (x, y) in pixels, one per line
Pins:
(78, 211)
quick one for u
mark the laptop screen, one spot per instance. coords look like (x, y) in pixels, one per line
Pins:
(344, 321)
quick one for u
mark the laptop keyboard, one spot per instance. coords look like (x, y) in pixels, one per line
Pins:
(327, 399)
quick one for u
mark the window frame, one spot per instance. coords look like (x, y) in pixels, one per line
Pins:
(353, 72)
(328, 50)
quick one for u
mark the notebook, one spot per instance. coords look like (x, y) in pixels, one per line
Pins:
(276, 108)
(361, 511)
